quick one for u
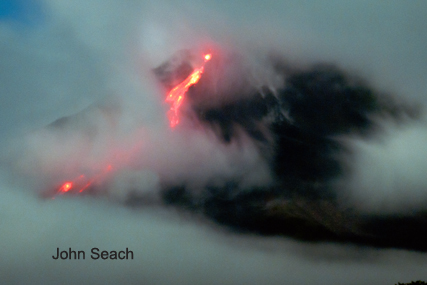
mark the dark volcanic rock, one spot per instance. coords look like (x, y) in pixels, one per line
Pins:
(295, 128)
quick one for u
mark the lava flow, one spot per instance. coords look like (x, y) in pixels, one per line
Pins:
(177, 94)
(81, 183)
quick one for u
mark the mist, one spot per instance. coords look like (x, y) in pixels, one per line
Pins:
(78, 93)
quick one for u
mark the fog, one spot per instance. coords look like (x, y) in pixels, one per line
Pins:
(173, 249)
(93, 61)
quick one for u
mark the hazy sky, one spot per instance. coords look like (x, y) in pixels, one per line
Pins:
(59, 57)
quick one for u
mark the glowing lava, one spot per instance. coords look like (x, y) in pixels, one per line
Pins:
(177, 94)
(65, 187)
(81, 183)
